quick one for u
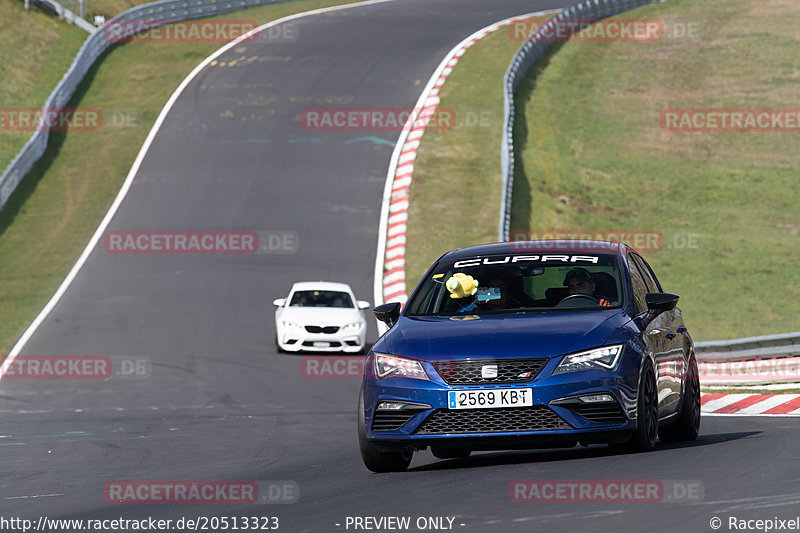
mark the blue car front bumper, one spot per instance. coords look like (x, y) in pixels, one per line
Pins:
(419, 415)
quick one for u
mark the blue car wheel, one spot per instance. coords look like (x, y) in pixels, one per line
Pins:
(687, 427)
(644, 438)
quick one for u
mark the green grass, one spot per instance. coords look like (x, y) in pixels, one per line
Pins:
(592, 155)
(53, 213)
(27, 79)
(106, 8)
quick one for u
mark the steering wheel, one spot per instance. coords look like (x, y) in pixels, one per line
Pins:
(578, 299)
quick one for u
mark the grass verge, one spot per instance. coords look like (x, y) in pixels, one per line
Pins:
(105, 8)
(592, 155)
(53, 213)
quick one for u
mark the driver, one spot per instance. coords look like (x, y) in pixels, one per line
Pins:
(579, 281)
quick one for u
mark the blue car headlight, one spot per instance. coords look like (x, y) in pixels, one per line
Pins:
(603, 358)
(387, 366)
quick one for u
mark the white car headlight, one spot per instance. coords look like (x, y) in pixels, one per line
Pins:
(604, 358)
(387, 366)
(352, 327)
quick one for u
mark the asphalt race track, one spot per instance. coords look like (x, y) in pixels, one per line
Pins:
(218, 403)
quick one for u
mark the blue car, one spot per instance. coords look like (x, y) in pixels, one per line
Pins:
(532, 344)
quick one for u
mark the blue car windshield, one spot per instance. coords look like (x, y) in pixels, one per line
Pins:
(519, 283)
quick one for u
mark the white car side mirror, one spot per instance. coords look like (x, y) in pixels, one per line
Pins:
(280, 302)
(363, 304)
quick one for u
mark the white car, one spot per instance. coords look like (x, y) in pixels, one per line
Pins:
(320, 316)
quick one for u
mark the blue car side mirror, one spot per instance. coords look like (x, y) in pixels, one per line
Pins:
(388, 313)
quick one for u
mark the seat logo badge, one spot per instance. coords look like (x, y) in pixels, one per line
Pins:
(524, 375)
(489, 371)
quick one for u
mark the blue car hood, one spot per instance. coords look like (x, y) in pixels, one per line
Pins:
(547, 334)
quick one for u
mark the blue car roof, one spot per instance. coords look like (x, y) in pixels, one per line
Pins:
(537, 247)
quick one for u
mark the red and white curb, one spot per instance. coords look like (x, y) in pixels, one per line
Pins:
(390, 274)
(750, 404)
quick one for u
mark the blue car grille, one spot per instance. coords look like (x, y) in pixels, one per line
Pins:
(390, 420)
(469, 371)
(602, 413)
(511, 419)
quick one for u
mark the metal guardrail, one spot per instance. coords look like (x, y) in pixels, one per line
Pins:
(156, 13)
(67, 15)
(766, 346)
(523, 60)
(769, 359)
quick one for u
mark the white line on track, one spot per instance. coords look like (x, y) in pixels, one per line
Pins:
(34, 496)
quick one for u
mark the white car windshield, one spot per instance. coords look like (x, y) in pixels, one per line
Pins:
(321, 299)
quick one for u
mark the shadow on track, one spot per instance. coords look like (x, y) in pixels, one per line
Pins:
(569, 454)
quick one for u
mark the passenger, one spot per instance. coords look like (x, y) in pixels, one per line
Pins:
(504, 300)
(496, 304)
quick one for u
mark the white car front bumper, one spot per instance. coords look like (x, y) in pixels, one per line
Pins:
(297, 339)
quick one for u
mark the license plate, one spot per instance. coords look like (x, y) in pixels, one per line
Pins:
(489, 399)
(322, 344)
